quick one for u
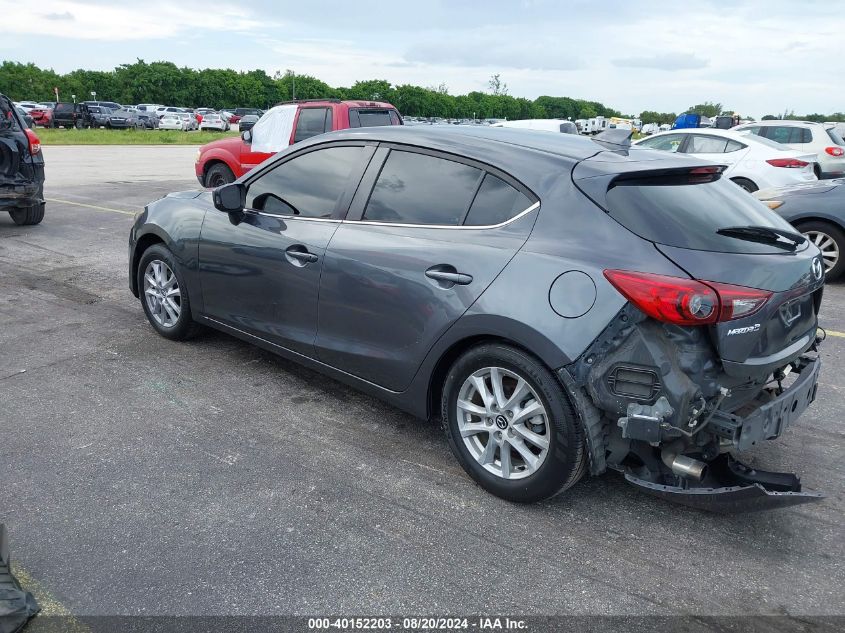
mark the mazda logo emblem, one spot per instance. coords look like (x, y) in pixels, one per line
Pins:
(501, 422)
(818, 270)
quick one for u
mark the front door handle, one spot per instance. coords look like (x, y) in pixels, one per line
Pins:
(447, 276)
(298, 256)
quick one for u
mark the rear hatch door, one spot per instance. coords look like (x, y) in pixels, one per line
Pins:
(717, 232)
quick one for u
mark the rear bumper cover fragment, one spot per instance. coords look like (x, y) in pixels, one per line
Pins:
(733, 488)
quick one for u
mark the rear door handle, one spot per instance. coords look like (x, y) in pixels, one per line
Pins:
(438, 274)
(298, 256)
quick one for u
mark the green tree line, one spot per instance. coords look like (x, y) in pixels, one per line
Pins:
(166, 83)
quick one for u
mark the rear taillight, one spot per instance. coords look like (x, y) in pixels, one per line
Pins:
(834, 151)
(686, 301)
(34, 142)
(787, 162)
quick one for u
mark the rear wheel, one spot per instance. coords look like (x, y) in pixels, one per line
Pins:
(830, 240)
(79, 125)
(218, 175)
(27, 216)
(746, 184)
(510, 424)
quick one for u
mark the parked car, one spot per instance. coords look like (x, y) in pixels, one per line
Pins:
(548, 125)
(21, 167)
(26, 106)
(817, 210)
(42, 116)
(691, 120)
(111, 105)
(172, 121)
(241, 112)
(147, 120)
(100, 116)
(161, 111)
(189, 119)
(807, 137)
(214, 121)
(222, 161)
(123, 119)
(247, 122)
(753, 162)
(27, 119)
(71, 115)
(395, 260)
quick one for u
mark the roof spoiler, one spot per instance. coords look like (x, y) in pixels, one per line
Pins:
(614, 138)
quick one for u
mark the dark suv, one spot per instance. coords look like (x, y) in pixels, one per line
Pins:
(564, 305)
(71, 115)
(21, 167)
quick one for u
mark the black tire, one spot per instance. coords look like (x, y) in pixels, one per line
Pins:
(746, 184)
(565, 461)
(79, 124)
(218, 175)
(28, 216)
(835, 233)
(185, 327)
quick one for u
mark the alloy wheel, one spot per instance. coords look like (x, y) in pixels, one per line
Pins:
(162, 293)
(827, 245)
(503, 423)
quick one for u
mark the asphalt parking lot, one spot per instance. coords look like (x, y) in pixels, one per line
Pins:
(142, 476)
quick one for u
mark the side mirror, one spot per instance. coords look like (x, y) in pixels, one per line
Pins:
(246, 135)
(230, 198)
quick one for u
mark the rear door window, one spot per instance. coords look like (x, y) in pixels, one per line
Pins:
(311, 122)
(677, 211)
(421, 189)
(788, 134)
(667, 143)
(705, 144)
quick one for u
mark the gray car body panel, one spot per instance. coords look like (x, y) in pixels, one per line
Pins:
(568, 233)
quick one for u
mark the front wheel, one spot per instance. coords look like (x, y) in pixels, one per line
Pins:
(218, 175)
(830, 240)
(78, 124)
(164, 295)
(510, 424)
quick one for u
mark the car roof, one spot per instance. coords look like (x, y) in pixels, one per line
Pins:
(780, 122)
(732, 134)
(477, 139)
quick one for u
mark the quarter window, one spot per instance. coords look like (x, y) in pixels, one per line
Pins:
(311, 122)
(496, 202)
(420, 189)
(307, 186)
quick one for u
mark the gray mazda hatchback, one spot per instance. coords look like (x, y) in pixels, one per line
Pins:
(564, 305)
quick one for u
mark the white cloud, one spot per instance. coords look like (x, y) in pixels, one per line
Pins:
(153, 19)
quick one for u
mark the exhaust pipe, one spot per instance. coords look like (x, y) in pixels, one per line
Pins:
(684, 466)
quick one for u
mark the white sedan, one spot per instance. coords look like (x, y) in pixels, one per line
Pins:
(754, 162)
(214, 122)
(172, 121)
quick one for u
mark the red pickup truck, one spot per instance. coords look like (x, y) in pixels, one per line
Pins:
(225, 160)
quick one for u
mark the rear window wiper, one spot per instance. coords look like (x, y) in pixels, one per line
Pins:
(764, 235)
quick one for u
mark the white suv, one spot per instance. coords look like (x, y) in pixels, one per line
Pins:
(808, 137)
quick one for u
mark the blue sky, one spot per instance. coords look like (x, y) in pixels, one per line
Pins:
(754, 56)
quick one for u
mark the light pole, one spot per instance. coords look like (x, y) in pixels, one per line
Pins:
(293, 84)
(73, 97)
(94, 95)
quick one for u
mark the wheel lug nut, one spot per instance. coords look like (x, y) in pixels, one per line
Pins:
(510, 414)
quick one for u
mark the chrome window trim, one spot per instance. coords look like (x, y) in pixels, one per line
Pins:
(290, 217)
(534, 206)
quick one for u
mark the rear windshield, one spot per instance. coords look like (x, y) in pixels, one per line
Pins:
(369, 118)
(673, 212)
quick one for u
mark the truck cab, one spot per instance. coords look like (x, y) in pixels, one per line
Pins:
(221, 162)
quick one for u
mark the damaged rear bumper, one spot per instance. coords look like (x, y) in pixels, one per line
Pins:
(733, 487)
